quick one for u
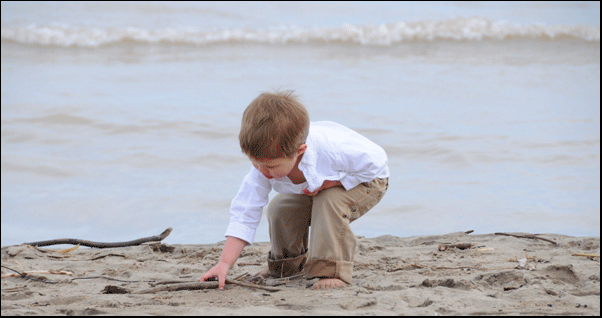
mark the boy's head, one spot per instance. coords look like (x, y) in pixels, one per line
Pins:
(273, 126)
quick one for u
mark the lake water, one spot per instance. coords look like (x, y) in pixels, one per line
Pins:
(121, 119)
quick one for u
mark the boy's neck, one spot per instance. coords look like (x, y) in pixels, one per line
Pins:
(296, 175)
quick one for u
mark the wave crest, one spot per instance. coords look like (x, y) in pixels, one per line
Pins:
(458, 29)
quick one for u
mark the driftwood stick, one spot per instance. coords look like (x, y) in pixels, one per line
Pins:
(166, 282)
(176, 287)
(529, 236)
(139, 241)
(201, 285)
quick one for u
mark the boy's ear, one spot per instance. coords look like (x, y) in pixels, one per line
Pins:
(301, 149)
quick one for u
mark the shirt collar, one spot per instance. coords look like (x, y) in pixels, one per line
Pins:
(307, 165)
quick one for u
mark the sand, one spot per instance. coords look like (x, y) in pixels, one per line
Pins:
(392, 276)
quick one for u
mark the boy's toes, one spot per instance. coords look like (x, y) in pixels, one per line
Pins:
(265, 273)
(329, 283)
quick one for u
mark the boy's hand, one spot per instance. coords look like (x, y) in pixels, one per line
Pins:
(231, 251)
(220, 271)
(327, 184)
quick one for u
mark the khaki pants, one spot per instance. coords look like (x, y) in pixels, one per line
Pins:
(332, 246)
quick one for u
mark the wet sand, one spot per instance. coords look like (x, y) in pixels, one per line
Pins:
(392, 276)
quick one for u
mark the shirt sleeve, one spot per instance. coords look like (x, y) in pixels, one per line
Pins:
(247, 207)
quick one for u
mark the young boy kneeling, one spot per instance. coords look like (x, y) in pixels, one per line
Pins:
(327, 176)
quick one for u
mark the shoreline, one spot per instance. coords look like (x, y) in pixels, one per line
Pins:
(493, 275)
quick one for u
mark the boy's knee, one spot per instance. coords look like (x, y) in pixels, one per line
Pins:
(285, 207)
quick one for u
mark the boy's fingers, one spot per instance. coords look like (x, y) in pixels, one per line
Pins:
(205, 277)
(222, 282)
(307, 192)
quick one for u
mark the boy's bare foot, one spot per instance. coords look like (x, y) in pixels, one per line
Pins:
(329, 283)
(265, 273)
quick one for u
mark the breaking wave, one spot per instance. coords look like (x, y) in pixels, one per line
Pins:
(458, 29)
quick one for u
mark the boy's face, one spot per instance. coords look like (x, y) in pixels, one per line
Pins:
(279, 167)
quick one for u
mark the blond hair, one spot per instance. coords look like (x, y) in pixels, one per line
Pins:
(274, 125)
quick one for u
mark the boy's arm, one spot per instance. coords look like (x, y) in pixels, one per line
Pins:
(245, 214)
(230, 254)
(247, 207)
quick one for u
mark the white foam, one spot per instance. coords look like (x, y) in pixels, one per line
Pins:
(457, 29)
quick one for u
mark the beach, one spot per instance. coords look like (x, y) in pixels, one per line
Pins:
(120, 119)
(451, 274)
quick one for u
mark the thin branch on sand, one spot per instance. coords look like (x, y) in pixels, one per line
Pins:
(529, 236)
(22, 274)
(139, 241)
(586, 255)
(201, 285)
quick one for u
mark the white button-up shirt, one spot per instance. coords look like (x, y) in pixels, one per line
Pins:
(334, 152)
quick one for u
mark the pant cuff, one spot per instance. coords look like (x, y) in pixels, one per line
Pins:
(287, 266)
(324, 268)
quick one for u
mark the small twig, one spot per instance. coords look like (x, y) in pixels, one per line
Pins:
(159, 237)
(274, 289)
(106, 255)
(29, 277)
(475, 267)
(516, 259)
(249, 264)
(54, 272)
(404, 267)
(460, 267)
(283, 280)
(529, 236)
(242, 276)
(26, 276)
(11, 261)
(586, 255)
(13, 290)
(71, 249)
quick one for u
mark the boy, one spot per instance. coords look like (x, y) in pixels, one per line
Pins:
(327, 176)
